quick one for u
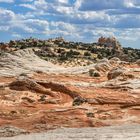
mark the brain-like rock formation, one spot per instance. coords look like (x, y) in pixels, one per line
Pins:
(26, 61)
(115, 61)
(114, 73)
(103, 65)
(40, 96)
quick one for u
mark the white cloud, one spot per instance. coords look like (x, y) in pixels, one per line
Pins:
(27, 0)
(78, 4)
(6, 15)
(63, 26)
(30, 6)
(7, 1)
(4, 28)
(63, 1)
(64, 10)
(15, 35)
(90, 5)
(129, 3)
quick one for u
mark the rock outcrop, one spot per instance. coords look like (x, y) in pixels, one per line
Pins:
(114, 73)
(40, 95)
(138, 62)
(103, 66)
(71, 54)
(110, 43)
(9, 131)
(26, 61)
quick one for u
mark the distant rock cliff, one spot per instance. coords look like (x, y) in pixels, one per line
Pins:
(110, 43)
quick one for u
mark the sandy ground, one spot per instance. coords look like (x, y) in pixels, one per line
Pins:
(125, 132)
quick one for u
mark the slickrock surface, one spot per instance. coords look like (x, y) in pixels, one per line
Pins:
(125, 132)
(39, 96)
(25, 61)
(9, 131)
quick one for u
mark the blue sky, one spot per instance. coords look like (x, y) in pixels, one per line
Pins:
(76, 20)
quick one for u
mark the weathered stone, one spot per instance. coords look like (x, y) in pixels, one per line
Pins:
(138, 62)
(103, 65)
(78, 101)
(9, 131)
(114, 73)
(94, 73)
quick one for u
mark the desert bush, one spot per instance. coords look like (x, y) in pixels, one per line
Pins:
(87, 54)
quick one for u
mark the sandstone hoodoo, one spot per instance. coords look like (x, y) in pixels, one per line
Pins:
(112, 43)
(50, 84)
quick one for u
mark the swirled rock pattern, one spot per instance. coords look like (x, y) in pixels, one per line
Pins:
(39, 96)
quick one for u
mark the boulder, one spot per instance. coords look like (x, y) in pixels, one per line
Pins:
(114, 73)
(25, 84)
(124, 63)
(9, 131)
(105, 60)
(103, 65)
(114, 61)
(138, 62)
(79, 101)
(94, 73)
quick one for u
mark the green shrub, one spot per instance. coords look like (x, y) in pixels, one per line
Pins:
(87, 54)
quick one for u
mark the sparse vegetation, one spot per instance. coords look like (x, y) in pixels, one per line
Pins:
(60, 50)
